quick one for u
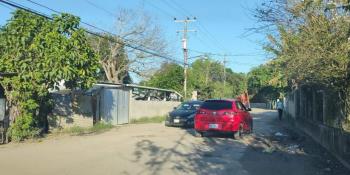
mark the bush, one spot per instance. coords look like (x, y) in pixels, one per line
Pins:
(23, 128)
(97, 128)
(157, 119)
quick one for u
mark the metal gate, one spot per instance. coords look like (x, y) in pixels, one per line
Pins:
(2, 120)
(114, 106)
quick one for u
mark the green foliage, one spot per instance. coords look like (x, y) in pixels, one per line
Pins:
(43, 53)
(23, 128)
(156, 119)
(207, 77)
(315, 51)
(169, 76)
(313, 47)
(265, 83)
(204, 75)
(97, 128)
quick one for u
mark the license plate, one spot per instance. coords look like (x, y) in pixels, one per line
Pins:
(213, 126)
(176, 120)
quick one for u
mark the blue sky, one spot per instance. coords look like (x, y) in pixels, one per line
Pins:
(220, 24)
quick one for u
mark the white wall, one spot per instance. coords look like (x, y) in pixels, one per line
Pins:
(139, 109)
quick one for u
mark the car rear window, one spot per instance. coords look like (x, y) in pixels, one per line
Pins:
(188, 106)
(217, 105)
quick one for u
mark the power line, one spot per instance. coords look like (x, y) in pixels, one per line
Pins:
(160, 9)
(19, 6)
(101, 8)
(58, 12)
(92, 26)
(199, 25)
(173, 7)
(8, 7)
(180, 7)
(228, 55)
(220, 46)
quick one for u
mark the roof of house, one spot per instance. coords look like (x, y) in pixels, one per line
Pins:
(112, 85)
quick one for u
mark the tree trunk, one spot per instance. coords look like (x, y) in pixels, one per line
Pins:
(14, 112)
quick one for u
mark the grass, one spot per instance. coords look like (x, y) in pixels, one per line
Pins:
(156, 119)
(97, 128)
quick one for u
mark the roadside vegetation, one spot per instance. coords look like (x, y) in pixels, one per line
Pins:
(205, 75)
(77, 130)
(309, 43)
(43, 53)
(156, 119)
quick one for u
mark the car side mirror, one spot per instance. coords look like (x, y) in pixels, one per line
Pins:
(249, 109)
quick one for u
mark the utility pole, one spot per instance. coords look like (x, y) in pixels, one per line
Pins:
(184, 47)
(224, 69)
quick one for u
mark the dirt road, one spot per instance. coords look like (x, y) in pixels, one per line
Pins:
(273, 149)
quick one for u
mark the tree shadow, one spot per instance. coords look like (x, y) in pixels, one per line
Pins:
(261, 153)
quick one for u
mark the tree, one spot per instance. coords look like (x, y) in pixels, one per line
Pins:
(169, 76)
(315, 49)
(113, 57)
(42, 53)
(207, 77)
(116, 59)
(204, 75)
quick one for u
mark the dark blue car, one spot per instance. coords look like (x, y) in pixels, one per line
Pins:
(183, 115)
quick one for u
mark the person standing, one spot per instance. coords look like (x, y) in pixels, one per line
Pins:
(279, 106)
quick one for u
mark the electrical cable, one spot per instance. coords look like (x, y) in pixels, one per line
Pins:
(19, 6)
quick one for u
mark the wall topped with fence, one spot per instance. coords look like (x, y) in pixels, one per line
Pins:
(319, 112)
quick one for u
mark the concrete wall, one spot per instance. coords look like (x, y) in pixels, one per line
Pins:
(61, 122)
(318, 112)
(68, 112)
(259, 105)
(139, 109)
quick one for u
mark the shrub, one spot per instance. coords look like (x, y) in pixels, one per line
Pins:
(156, 119)
(23, 128)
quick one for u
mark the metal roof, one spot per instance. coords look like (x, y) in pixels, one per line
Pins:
(113, 85)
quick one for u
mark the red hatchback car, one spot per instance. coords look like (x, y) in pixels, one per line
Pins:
(228, 116)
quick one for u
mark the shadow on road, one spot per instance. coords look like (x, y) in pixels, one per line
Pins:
(262, 153)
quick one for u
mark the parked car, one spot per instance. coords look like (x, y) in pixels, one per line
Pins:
(183, 115)
(228, 116)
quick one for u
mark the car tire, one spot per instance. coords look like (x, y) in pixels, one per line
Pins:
(199, 134)
(238, 134)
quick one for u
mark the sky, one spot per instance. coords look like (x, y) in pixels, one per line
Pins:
(220, 26)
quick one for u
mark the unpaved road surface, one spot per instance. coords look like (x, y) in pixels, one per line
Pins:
(273, 149)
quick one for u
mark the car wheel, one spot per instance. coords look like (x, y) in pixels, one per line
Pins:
(238, 134)
(199, 134)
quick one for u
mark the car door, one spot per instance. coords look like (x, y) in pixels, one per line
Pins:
(245, 115)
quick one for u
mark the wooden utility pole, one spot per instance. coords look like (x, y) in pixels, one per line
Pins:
(224, 62)
(184, 47)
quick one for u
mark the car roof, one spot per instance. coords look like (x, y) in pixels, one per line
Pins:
(229, 100)
(193, 101)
